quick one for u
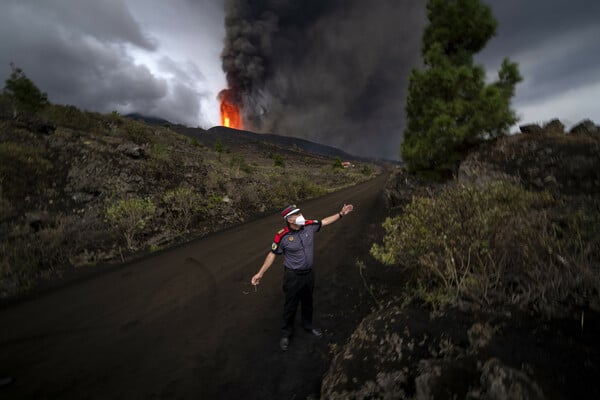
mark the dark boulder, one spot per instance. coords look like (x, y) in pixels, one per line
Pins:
(554, 126)
(531, 128)
(132, 150)
(584, 127)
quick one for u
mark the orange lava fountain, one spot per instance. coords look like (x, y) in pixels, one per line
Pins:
(230, 112)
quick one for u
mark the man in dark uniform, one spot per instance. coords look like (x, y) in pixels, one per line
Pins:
(296, 244)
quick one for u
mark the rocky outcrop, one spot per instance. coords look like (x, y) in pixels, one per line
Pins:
(499, 382)
(132, 150)
(554, 127)
(531, 128)
(402, 186)
(585, 127)
(482, 173)
(412, 354)
(549, 160)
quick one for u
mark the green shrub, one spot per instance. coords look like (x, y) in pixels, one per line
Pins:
(129, 217)
(307, 189)
(278, 160)
(294, 189)
(18, 266)
(366, 170)
(494, 245)
(337, 163)
(182, 204)
(219, 147)
(154, 248)
(247, 168)
(73, 118)
(23, 170)
(136, 131)
(240, 162)
(25, 259)
(196, 143)
(160, 152)
(214, 201)
(251, 196)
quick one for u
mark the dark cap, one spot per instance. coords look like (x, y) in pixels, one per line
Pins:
(289, 210)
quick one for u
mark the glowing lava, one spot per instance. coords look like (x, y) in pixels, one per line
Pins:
(230, 112)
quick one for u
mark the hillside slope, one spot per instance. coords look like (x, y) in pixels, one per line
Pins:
(81, 188)
(496, 289)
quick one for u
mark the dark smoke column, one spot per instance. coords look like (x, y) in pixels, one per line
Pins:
(247, 41)
(331, 71)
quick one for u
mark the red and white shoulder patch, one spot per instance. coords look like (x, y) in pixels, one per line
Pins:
(280, 235)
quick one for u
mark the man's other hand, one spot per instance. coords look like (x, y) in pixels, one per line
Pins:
(347, 209)
(256, 279)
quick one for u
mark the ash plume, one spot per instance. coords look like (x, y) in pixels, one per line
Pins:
(331, 71)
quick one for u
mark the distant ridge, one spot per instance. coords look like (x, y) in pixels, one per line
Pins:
(231, 136)
(237, 136)
(147, 119)
(306, 145)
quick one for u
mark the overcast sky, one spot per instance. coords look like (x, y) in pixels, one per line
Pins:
(162, 58)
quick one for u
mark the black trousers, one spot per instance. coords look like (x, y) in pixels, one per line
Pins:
(298, 288)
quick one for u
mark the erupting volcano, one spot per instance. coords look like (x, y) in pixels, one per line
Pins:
(230, 110)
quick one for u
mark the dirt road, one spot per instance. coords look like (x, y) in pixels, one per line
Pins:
(186, 323)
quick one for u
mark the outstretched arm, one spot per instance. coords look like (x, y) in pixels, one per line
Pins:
(336, 217)
(266, 265)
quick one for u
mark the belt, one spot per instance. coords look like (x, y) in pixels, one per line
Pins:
(299, 271)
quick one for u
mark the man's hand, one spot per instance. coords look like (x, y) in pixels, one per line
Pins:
(256, 279)
(266, 265)
(337, 216)
(347, 209)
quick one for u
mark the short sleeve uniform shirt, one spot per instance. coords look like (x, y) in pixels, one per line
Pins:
(297, 247)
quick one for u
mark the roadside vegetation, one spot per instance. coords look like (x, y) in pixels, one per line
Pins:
(497, 246)
(490, 283)
(500, 243)
(498, 238)
(79, 188)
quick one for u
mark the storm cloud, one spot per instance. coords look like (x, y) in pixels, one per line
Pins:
(331, 71)
(556, 46)
(335, 72)
(83, 54)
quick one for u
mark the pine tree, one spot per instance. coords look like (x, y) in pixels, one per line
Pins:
(449, 107)
(23, 93)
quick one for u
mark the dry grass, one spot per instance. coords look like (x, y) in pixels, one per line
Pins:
(184, 183)
(497, 245)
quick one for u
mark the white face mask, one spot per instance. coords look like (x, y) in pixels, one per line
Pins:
(300, 220)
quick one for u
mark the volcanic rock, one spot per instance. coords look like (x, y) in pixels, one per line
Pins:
(531, 128)
(546, 161)
(132, 150)
(554, 126)
(585, 127)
